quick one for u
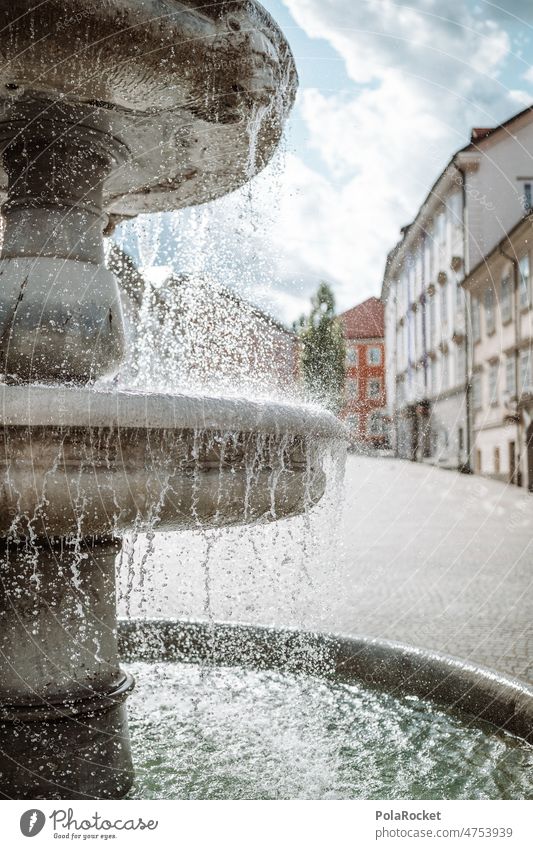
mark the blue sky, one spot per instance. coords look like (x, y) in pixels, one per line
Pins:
(388, 90)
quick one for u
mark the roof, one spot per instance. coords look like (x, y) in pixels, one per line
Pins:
(481, 133)
(364, 321)
(223, 291)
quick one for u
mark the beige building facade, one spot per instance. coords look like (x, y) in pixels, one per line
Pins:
(501, 295)
(482, 193)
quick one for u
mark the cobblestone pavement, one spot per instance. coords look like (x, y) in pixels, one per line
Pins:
(439, 560)
(426, 556)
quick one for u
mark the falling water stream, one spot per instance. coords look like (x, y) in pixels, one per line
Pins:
(196, 329)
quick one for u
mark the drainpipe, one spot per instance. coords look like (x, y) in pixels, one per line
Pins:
(516, 306)
(467, 467)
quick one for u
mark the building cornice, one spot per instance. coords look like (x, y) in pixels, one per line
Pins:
(448, 179)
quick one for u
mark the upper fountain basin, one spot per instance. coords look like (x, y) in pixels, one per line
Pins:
(193, 94)
(83, 461)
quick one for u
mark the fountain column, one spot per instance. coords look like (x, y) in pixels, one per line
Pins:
(63, 724)
(60, 313)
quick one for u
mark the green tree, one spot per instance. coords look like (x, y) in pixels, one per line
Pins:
(324, 350)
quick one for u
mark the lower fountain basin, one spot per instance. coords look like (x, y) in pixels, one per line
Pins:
(80, 461)
(235, 733)
(239, 712)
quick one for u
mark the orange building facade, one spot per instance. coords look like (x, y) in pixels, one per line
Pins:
(364, 409)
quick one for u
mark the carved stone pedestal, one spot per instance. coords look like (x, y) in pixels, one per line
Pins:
(63, 724)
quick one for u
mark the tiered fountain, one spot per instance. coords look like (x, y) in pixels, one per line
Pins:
(109, 110)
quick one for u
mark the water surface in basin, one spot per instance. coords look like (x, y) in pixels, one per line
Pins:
(233, 733)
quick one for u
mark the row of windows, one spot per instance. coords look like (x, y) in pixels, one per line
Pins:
(442, 240)
(525, 381)
(373, 356)
(375, 425)
(373, 388)
(505, 301)
(439, 309)
(443, 237)
(446, 372)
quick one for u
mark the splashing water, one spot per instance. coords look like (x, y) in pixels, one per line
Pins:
(196, 329)
(278, 572)
(230, 733)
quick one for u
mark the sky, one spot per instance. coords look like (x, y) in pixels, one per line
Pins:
(388, 91)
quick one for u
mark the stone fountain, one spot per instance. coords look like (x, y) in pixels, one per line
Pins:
(107, 110)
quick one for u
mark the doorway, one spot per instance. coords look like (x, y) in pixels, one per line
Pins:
(529, 453)
(512, 462)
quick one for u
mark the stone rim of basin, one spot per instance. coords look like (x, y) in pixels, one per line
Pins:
(85, 461)
(35, 405)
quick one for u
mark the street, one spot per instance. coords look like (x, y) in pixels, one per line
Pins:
(439, 560)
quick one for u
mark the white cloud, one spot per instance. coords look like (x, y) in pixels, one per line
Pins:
(424, 75)
(522, 98)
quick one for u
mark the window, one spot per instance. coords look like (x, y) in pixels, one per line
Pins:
(441, 229)
(455, 207)
(527, 197)
(523, 269)
(427, 257)
(432, 320)
(488, 300)
(494, 369)
(352, 387)
(506, 303)
(352, 422)
(373, 356)
(434, 253)
(459, 297)
(444, 304)
(476, 323)
(496, 460)
(525, 371)
(433, 376)
(375, 425)
(445, 371)
(373, 389)
(460, 361)
(419, 271)
(351, 356)
(510, 375)
(477, 400)
(460, 438)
